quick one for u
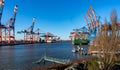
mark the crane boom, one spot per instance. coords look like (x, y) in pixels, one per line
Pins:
(32, 26)
(14, 16)
(87, 22)
(11, 21)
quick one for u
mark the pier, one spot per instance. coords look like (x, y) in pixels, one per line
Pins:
(55, 60)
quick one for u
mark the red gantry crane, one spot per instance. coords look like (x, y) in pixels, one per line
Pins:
(36, 35)
(29, 35)
(9, 35)
(92, 22)
(7, 31)
(1, 12)
(74, 34)
(49, 37)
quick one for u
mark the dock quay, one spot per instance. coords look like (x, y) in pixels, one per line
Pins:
(55, 60)
(22, 43)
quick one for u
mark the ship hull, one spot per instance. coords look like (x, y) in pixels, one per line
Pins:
(81, 42)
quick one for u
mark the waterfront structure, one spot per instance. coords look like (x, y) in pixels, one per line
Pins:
(1, 12)
(55, 60)
(93, 23)
(9, 34)
(7, 31)
(30, 36)
(36, 35)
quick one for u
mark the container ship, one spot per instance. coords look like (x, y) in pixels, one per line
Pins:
(79, 38)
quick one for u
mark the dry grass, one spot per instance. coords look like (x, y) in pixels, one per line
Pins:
(107, 42)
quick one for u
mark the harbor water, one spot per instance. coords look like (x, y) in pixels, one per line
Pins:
(23, 56)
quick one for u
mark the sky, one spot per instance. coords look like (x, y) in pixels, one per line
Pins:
(59, 17)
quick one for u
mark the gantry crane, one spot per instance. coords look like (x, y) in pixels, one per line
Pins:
(93, 22)
(7, 31)
(29, 34)
(10, 29)
(49, 37)
(74, 34)
(84, 33)
(56, 38)
(1, 12)
(36, 37)
(77, 32)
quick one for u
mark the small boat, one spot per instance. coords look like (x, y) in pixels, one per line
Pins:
(73, 50)
(76, 49)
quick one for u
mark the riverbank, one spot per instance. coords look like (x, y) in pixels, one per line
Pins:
(22, 43)
(80, 64)
(55, 66)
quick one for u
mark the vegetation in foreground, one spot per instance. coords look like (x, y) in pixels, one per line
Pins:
(107, 43)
